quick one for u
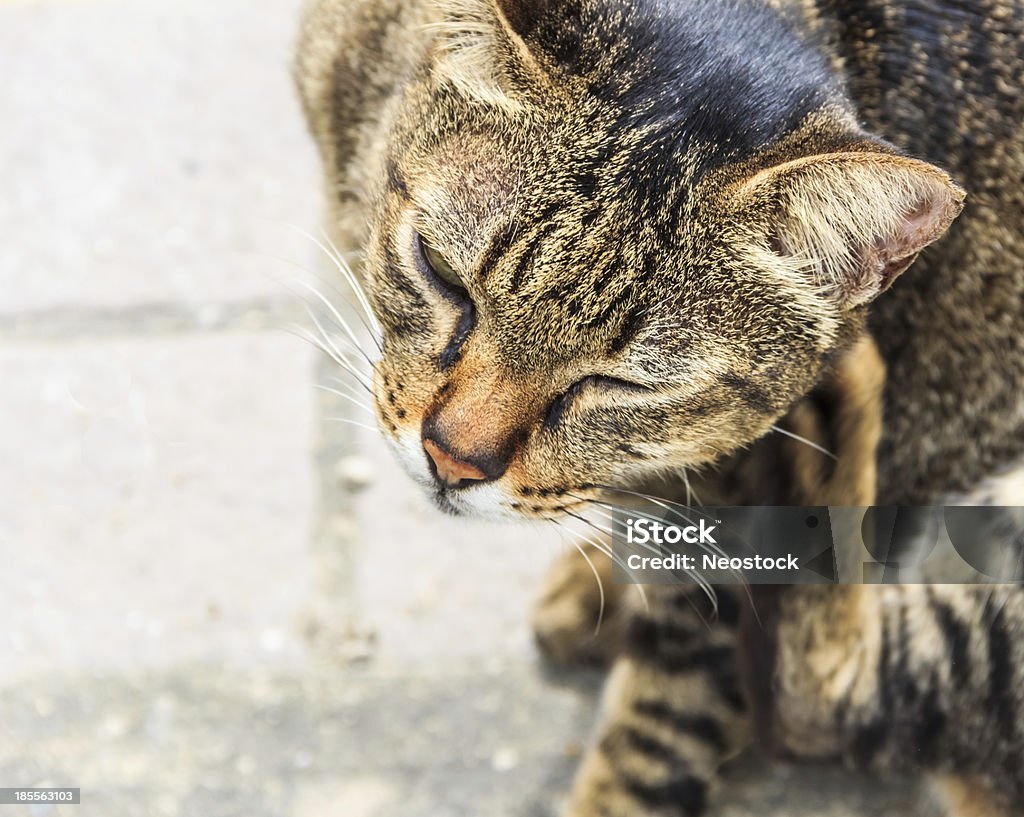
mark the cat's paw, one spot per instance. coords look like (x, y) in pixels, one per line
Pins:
(809, 654)
(569, 609)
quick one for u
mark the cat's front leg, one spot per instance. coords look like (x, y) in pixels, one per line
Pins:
(897, 679)
(581, 613)
(810, 659)
(673, 712)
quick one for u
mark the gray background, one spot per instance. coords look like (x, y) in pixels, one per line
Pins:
(213, 600)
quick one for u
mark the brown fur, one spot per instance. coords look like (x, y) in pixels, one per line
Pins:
(515, 184)
(673, 219)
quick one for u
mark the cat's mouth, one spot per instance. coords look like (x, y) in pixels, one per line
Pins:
(494, 506)
(444, 503)
(455, 505)
(498, 499)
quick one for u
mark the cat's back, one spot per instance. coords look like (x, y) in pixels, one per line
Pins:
(939, 78)
(942, 80)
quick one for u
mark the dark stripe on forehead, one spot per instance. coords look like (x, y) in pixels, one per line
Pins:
(612, 307)
(525, 262)
(606, 273)
(602, 157)
(497, 248)
(628, 329)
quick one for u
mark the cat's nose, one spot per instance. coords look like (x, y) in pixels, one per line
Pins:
(453, 472)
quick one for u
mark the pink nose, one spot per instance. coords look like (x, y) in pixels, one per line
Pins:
(449, 469)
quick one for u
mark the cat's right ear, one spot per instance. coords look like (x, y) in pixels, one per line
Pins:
(852, 222)
(483, 48)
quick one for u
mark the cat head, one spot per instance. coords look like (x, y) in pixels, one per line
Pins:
(615, 239)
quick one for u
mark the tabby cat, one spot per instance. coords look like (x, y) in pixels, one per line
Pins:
(608, 240)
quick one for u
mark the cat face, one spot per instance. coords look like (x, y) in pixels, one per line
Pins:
(580, 285)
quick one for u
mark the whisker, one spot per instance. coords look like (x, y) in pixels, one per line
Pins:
(346, 347)
(337, 316)
(805, 441)
(344, 269)
(345, 364)
(739, 576)
(335, 355)
(701, 582)
(689, 491)
(288, 284)
(659, 501)
(611, 554)
(330, 340)
(350, 276)
(344, 396)
(588, 522)
(710, 549)
(353, 423)
(597, 578)
(346, 385)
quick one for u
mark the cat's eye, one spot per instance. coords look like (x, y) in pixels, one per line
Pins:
(440, 269)
(610, 384)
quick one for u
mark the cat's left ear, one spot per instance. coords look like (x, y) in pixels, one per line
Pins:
(483, 48)
(854, 220)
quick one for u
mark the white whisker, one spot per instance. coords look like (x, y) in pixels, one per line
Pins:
(597, 578)
(289, 285)
(703, 583)
(337, 316)
(691, 495)
(344, 384)
(346, 272)
(739, 576)
(344, 396)
(353, 423)
(345, 364)
(329, 340)
(350, 276)
(611, 554)
(805, 441)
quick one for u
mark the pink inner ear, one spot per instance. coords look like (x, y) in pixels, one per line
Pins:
(919, 228)
(924, 224)
(891, 270)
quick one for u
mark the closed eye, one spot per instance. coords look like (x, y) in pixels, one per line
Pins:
(562, 402)
(439, 272)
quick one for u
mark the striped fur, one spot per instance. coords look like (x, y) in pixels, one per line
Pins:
(675, 221)
(905, 678)
(893, 679)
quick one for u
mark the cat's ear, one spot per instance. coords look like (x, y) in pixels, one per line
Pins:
(855, 220)
(483, 50)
